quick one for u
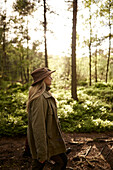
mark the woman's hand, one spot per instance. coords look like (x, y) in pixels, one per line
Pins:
(41, 162)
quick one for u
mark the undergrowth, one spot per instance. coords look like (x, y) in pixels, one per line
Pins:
(13, 115)
(93, 112)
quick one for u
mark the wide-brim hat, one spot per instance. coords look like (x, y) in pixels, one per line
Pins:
(40, 74)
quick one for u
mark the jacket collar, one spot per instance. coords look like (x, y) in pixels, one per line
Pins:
(46, 94)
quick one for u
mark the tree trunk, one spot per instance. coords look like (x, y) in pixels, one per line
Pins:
(4, 49)
(21, 62)
(27, 53)
(24, 73)
(109, 52)
(90, 46)
(96, 65)
(45, 38)
(4, 57)
(74, 77)
(21, 75)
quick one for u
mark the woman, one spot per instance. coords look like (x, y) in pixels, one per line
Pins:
(44, 135)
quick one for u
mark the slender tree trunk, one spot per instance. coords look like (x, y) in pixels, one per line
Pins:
(96, 65)
(27, 53)
(109, 52)
(4, 57)
(45, 38)
(74, 77)
(4, 48)
(90, 46)
(21, 63)
(24, 73)
(21, 70)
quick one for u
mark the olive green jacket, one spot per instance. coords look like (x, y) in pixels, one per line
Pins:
(44, 135)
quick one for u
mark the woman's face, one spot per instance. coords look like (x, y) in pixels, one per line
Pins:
(48, 80)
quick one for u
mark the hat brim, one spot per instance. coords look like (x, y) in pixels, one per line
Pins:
(43, 77)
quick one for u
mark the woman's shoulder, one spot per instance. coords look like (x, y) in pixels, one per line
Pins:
(37, 98)
(37, 101)
(46, 94)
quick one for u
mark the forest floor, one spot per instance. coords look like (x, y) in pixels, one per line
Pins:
(89, 151)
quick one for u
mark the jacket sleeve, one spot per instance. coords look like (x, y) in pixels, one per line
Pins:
(38, 112)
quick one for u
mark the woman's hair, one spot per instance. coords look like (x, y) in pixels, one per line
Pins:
(35, 91)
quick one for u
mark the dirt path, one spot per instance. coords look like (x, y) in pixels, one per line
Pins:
(89, 151)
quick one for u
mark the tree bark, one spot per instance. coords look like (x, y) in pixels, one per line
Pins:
(45, 37)
(27, 53)
(109, 52)
(96, 65)
(90, 46)
(74, 77)
(4, 48)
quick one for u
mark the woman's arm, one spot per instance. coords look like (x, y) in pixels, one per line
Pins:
(38, 113)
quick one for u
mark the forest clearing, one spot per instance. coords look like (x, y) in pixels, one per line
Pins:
(74, 38)
(91, 115)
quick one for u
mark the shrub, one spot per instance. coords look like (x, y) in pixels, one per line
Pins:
(13, 116)
(92, 112)
(101, 85)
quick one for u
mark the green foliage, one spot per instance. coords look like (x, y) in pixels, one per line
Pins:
(13, 116)
(101, 85)
(103, 91)
(82, 83)
(93, 111)
(24, 7)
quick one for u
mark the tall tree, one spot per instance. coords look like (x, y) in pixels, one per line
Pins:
(90, 40)
(74, 77)
(45, 37)
(88, 4)
(96, 65)
(25, 8)
(4, 44)
(18, 40)
(109, 51)
(4, 29)
(106, 13)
